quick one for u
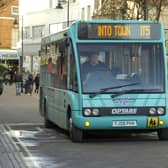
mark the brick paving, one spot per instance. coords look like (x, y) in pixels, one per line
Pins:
(15, 109)
(10, 154)
(18, 109)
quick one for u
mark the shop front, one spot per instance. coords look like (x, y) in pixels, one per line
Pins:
(9, 59)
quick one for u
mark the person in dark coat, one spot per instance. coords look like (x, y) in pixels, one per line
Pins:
(29, 85)
(12, 76)
(37, 82)
(18, 81)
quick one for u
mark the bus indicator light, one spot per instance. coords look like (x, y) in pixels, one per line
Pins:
(161, 122)
(87, 124)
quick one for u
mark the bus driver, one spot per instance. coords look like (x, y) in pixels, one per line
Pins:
(92, 64)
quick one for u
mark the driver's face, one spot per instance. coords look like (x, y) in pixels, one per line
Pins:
(94, 59)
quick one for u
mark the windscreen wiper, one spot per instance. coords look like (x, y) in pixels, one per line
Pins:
(133, 91)
(120, 86)
(114, 87)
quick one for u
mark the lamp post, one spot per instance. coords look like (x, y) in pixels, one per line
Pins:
(16, 23)
(59, 6)
(21, 56)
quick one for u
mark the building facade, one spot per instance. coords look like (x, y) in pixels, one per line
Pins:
(43, 17)
(9, 32)
(46, 18)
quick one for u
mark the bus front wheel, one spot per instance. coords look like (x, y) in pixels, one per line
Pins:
(163, 134)
(75, 133)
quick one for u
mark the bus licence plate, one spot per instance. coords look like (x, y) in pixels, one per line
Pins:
(124, 123)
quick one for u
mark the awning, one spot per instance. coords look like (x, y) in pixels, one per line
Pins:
(7, 54)
(31, 49)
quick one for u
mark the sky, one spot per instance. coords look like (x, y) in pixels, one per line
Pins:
(27, 6)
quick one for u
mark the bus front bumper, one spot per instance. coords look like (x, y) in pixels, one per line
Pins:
(121, 122)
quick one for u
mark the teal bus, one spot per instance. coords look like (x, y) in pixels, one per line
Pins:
(125, 89)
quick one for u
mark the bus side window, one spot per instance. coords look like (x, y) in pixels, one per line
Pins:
(73, 74)
(61, 67)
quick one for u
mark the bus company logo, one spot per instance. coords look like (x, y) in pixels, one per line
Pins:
(124, 100)
(122, 111)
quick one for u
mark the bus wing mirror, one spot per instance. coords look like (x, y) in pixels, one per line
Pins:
(39, 53)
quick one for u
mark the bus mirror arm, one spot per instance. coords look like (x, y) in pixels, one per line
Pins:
(67, 43)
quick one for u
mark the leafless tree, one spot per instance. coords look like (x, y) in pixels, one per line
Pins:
(130, 9)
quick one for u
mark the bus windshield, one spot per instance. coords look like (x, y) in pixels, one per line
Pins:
(121, 67)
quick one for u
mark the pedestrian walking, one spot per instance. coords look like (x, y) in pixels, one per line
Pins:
(6, 77)
(29, 85)
(37, 82)
(18, 80)
(12, 76)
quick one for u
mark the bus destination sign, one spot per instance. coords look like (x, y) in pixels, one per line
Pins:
(96, 31)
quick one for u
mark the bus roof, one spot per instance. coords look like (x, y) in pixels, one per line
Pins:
(53, 37)
(110, 30)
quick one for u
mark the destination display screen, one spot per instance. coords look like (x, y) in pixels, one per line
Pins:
(107, 31)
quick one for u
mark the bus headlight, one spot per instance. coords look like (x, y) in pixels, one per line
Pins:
(87, 112)
(160, 111)
(152, 111)
(95, 112)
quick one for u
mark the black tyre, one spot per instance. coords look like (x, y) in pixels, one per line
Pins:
(48, 123)
(75, 133)
(1, 91)
(163, 134)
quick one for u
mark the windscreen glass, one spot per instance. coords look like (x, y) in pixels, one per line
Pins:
(115, 67)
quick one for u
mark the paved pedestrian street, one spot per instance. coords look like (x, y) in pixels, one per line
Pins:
(16, 110)
(19, 145)
(22, 132)
(10, 155)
